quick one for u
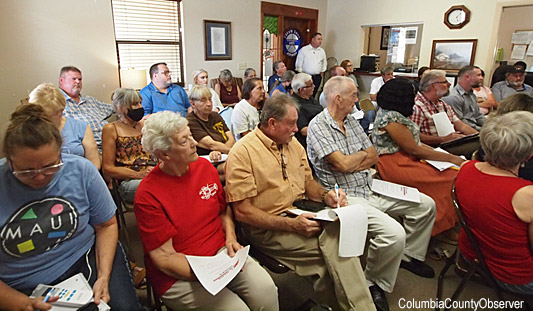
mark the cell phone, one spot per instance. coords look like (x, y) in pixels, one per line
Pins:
(91, 306)
(309, 205)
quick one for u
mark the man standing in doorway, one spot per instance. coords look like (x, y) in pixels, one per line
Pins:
(311, 59)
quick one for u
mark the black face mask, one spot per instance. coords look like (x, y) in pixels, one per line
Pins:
(136, 114)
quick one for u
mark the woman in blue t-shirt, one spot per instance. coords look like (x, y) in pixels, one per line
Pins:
(57, 219)
(77, 135)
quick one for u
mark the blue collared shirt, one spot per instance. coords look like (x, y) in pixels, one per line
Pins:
(175, 99)
(90, 110)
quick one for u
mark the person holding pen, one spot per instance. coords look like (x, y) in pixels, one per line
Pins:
(397, 141)
(342, 155)
(57, 219)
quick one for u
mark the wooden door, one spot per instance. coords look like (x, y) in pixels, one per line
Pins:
(304, 20)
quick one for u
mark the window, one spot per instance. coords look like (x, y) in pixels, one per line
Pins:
(148, 32)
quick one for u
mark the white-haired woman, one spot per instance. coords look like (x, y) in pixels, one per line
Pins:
(122, 154)
(198, 223)
(200, 77)
(77, 135)
(496, 203)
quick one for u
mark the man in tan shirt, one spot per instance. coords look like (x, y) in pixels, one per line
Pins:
(266, 172)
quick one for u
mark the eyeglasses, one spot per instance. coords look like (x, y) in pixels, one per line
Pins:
(308, 86)
(166, 72)
(283, 166)
(30, 174)
(443, 82)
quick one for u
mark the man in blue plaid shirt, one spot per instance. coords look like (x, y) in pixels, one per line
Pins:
(83, 107)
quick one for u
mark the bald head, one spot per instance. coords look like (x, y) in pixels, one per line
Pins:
(337, 71)
(338, 85)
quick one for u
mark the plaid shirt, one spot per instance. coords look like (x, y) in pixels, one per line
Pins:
(90, 110)
(424, 109)
(325, 137)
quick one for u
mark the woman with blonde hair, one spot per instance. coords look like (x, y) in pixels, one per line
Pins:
(77, 135)
(201, 77)
(122, 155)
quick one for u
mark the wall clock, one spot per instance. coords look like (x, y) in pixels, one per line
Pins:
(456, 17)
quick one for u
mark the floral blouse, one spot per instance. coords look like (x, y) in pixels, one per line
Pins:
(380, 137)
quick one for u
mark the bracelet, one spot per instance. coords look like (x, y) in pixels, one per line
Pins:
(323, 196)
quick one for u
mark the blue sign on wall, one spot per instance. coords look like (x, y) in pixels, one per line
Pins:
(292, 41)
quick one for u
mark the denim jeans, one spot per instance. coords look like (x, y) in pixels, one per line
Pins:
(127, 189)
(121, 287)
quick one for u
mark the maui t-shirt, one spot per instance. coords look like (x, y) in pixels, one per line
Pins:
(43, 232)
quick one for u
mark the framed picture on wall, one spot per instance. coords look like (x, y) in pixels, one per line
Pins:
(217, 40)
(385, 36)
(452, 55)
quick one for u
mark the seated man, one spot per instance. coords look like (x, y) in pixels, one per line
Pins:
(279, 69)
(434, 86)
(162, 95)
(302, 85)
(266, 172)
(83, 107)
(514, 83)
(342, 154)
(245, 116)
(377, 83)
(368, 117)
(463, 100)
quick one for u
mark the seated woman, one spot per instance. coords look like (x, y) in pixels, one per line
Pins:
(122, 155)
(77, 135)
(515, 102)
(496, 203)
(208, 128)
(228, 92)
(348, 67)
(199, 223)
(397, 141)
(57, 218)
(200, 77)
(283, 86)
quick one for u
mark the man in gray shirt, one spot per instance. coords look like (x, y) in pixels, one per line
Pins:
(463, 100)
(514, 83)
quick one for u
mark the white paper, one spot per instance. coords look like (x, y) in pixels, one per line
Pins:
(215, 272)
(530, 50)
(519, 52)
(443, 124)
(223, 158)
(359, 114)
(441, 165)
(395, 191)
(218, 40)
(327, 214)
(78, 282)
(410, 35)
(354, 227)
(520, 37)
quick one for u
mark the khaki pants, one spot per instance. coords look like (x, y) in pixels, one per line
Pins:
(338, 282)
(251, 289)
(389, 241)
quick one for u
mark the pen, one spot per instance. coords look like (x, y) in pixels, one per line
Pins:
(47, 297)
(337, 193)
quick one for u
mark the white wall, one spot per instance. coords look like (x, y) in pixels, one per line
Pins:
(345, 18)
(39, 37)
(245, 17)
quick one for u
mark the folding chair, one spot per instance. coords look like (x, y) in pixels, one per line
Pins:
(477, 265)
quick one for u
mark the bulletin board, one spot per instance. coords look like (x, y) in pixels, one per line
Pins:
(522, 46)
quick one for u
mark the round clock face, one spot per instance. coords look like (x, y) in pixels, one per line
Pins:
(456, 17)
